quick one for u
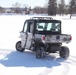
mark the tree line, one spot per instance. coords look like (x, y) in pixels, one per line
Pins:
(61, 8)
(53, 7)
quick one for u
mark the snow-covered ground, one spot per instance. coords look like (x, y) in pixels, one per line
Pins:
(16, 63)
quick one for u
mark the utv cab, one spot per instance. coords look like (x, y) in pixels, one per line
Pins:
(43, 35)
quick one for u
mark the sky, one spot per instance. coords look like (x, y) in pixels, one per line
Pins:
(32, 3)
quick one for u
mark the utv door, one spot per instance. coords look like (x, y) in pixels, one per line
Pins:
(27, 35)
(23, 35)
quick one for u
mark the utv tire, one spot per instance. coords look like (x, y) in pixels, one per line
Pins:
(64, 52)
(40, 53)
(18, 47)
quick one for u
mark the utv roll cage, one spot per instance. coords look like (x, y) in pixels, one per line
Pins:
(42, 18)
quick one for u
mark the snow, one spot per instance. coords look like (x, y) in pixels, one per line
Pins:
(16, 63)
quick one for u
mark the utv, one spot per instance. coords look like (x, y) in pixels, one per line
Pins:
(43, 35)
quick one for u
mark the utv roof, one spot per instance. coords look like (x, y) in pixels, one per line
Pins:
(43, 18)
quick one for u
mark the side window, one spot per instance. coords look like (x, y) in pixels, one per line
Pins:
(25, 27)
(31, 25)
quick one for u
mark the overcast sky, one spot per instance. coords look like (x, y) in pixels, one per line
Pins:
(32, 3)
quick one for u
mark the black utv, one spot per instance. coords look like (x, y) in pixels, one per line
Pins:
(43, 35)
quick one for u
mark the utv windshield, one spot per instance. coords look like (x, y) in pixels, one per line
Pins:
(48, 26)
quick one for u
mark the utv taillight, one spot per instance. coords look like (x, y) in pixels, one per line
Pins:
(70, 37)
(43, 37)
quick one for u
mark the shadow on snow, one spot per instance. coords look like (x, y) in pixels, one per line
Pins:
(28, 59)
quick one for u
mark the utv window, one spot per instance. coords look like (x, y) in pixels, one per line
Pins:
(31, 24)
(43, 26)
(25, 27)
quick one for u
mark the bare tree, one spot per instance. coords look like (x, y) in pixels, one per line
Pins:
(37, 9)
(52, 7)
(17, 6)
(40, 10)
(72, 7)
(27, 8)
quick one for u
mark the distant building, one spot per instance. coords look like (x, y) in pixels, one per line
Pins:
(2, 10)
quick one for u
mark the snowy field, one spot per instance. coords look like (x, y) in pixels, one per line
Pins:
(16, 63)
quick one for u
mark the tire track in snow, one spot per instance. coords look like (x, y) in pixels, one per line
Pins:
(64, 70)
(47, 71)
(72, 60)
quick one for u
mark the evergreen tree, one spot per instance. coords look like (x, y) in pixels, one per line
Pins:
(52, 7)
(61, 7)
(72, 7)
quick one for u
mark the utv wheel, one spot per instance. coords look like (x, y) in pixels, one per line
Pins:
(40, 53)
(64, 52)
(18, 47)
